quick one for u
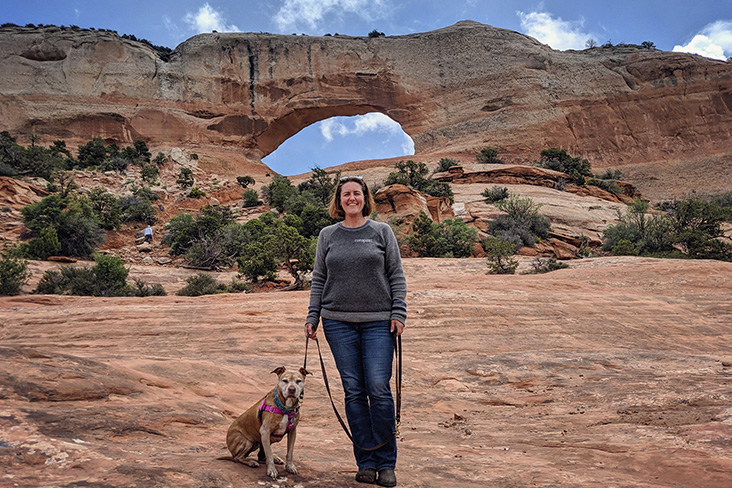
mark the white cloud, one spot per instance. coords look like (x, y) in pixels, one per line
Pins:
(714, 41)
(364, 124)
(296, 14)
(557, 33)
(208, 19)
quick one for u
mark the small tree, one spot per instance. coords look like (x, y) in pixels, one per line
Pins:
(200, 284)
(149, 172)
(251, 198)
(92, 153)
(488, 155)
(445, 164)
(495, 194)
(500, 256)
(245, 181)
(558, 160)
(523, 224)
(449, 238)
(14, 272)
(185, 179)
(160, 160)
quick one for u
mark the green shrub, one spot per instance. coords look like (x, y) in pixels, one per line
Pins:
(45, 245)
(7, 170)
(245, 181)
(107, 278)
(196, 193)
(14, 272)
(185, 179)
(694, 225)
(500, 255)
(279, 192)
(449, 238)
(609, 174)
(200, 284)
(185, 229)
(110, 277)
(142, 289)
(522, 225)
(74, 220)
(276, 241)
(607, 185)
(624, 247)
(106, 207)
(445, 164)
(251, 198)
(136, 209)
(114, 163)
(488, 155)
(495, 194)
(540, 265)
(149, 172)
(413, 175)
(237, 286)
(558, 160)
(161, 159)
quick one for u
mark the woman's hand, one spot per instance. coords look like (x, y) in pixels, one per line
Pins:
(310, 331)
(397, 327)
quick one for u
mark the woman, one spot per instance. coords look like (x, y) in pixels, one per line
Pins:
(358, 290)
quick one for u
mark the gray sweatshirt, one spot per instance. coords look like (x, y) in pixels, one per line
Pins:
(358, 275)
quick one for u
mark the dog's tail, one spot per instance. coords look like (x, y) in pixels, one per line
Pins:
(226, 458)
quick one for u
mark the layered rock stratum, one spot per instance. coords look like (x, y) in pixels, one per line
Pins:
(615, 372)
(453, 90)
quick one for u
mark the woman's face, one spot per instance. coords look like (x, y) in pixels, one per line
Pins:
(352, 198)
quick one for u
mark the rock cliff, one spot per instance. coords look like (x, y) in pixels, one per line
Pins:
(453, 90)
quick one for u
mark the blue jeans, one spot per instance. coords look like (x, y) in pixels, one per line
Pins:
(363, 352)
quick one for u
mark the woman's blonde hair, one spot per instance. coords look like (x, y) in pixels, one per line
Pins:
(336, 210)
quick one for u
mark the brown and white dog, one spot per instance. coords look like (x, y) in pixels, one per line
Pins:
(268, 421)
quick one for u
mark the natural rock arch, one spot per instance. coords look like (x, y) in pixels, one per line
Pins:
(452, 90)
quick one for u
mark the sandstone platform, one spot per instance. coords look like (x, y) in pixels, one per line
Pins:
(613, 373)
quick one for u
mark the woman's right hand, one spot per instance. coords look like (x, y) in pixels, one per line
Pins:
(310, 331)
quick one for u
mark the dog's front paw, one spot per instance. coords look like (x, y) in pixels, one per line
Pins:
(290, 467)
(272, 472)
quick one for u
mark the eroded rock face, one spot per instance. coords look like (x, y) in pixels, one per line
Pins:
(454, 89)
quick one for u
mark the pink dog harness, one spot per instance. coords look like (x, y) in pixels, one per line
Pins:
(276, 410)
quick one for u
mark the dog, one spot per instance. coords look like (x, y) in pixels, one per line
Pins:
(268, 421)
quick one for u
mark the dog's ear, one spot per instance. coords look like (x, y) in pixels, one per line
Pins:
(279, 370)
(304, 372)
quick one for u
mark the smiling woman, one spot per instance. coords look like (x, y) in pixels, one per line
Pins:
(340, 140)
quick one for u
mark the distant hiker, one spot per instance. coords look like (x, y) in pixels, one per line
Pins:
(148, 234)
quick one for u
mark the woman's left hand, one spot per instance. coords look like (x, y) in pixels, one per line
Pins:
(397, 327)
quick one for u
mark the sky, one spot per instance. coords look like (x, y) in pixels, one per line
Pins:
(701, 27)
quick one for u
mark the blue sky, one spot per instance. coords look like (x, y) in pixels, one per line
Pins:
(703, 27)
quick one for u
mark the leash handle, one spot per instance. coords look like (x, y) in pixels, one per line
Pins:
(398, 350)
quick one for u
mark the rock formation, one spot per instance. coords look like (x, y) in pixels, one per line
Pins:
(613, 373)
(453, 90)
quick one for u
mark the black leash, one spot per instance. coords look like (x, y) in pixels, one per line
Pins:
(398, 349)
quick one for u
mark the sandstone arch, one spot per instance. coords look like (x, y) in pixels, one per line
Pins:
(452, 90)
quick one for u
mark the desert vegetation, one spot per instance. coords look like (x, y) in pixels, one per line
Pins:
(106, 278)
(414, 175)
(73, 223)
(690, 228)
